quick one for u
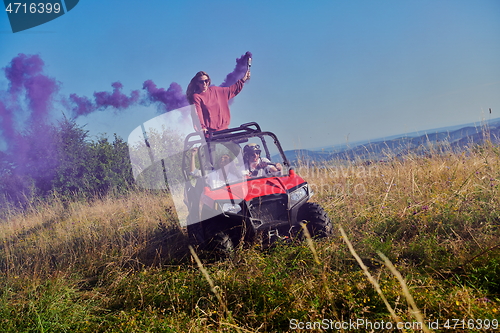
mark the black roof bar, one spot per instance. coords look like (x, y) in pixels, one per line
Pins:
(245, 128)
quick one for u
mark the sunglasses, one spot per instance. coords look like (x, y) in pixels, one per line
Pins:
(203, 81)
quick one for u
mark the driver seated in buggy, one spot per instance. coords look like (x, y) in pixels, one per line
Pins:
(257, 166)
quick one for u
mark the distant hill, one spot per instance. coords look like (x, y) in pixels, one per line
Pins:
(456, 137)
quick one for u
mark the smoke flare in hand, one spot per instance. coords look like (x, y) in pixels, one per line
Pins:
(239, 70)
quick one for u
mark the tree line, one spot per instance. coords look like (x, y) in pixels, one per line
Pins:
(63, 161)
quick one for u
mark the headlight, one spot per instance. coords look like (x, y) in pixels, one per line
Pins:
(297, 195)
(231, 208)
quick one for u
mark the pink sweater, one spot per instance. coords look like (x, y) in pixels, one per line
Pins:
(212, 106)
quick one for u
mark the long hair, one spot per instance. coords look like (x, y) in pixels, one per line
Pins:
(193, 86)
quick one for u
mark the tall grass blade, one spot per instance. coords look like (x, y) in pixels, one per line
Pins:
(370, 278)
(415, 311)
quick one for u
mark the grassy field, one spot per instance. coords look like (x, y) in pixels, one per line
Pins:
(121, 264)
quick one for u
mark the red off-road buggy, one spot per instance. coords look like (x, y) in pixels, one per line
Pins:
(228, 204)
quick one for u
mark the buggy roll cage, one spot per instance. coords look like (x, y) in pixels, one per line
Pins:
(237, 135)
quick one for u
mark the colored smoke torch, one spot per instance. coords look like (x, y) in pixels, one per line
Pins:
(239, 70)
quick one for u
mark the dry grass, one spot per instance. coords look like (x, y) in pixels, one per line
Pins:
(426, 191)
(122, 264)
(110, 231)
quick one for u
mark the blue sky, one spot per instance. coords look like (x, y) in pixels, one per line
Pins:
(323, 72)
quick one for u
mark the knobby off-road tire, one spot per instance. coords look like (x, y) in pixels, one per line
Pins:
(223, 237)
(223, 245)
(318, 222)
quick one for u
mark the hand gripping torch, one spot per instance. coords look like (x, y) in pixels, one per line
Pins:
(249, 64)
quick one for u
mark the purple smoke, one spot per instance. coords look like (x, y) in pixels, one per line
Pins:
(29, 86)
(21, 68)
(7, 129)
(83, 105)
(170, 99)
(39, 92)
(31, 143)
(116, 99)
(26, 82)
(30, 153)
(103, 99)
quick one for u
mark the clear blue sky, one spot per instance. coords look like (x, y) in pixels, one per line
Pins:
(323, 71)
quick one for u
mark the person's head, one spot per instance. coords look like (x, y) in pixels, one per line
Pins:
(199, 83)
(251, 152)
(224, 160)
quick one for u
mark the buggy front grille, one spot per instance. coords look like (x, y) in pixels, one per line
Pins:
(269, 208)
